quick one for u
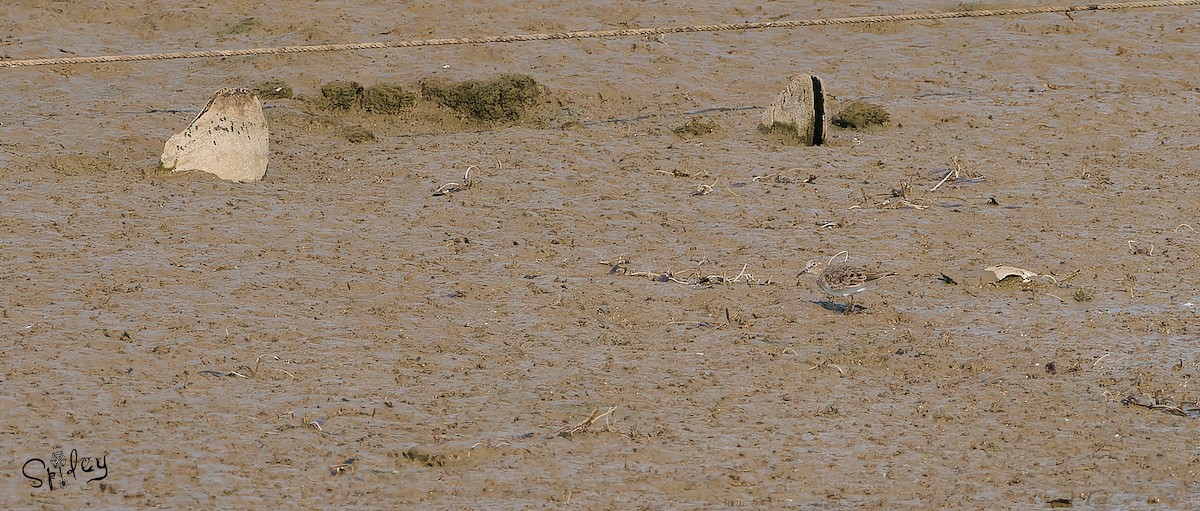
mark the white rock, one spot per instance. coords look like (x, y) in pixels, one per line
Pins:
(799, 111)
(229, 139)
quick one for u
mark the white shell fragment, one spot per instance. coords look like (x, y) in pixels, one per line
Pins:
(1002, 272)
(228, 139)
(799, 111)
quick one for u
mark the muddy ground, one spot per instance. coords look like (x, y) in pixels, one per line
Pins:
(393, 348)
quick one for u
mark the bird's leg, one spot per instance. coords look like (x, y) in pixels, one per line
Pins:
(849, 305)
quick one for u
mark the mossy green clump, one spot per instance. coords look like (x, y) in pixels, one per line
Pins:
(695, 128)
(386, 98)
(273, 89)
(503, 99)
(342, 95)
(860, 115)
(358, 134)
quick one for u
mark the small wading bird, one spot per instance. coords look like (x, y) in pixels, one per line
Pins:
(842, 279)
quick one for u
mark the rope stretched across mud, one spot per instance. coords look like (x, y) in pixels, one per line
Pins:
(597, 34)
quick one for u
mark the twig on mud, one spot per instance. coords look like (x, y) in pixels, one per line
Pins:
(704, 189)
(620, 265)
(566, 432)
(254, 371)
(496, 443)
(1153, 404)
(955, 172)
(1131, 281)
(731, 192)
(721, 279)
(1056, 296)
(828, 363)
(692, 277)
(346, 467)
(894, 202)
(1068, 278)
(258, 365)
(902, 203)
(779, 177)
(699, 324)
(449, 188)
(1190, 228)
(743, 274)
(865, 200)
(222, 374)
(1135, 250)
(712, 279)
(1052, 279)
(666, 276)
(765, 177)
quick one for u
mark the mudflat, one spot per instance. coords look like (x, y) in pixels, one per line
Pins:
(605, 312)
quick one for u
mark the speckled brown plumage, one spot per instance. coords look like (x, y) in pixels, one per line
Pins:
(844, 280)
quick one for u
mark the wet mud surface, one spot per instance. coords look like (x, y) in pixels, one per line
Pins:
(339, 335)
